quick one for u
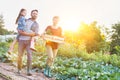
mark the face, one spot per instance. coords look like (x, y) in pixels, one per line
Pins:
(23, 13)
(34, 15)
(55, 20)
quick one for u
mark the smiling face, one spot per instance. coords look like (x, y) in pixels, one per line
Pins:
(56, 20)
(34, 14)
(23, 13)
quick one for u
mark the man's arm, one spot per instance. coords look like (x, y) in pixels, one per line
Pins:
(26, 34)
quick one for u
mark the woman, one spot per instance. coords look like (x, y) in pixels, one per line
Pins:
(52, 47)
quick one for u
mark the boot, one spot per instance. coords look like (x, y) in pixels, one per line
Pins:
(49, 72)
(19, 71)
(46, 70)
(29, 71)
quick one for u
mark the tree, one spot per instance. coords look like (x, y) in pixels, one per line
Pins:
(88, 35)
(91, 35)
(115, 38)
(2, 30)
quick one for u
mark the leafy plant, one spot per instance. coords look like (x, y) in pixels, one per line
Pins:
(74, 64)
(3, 51)
(117, 48)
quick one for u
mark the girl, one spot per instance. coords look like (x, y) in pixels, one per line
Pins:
(52, 47)
(21, 22)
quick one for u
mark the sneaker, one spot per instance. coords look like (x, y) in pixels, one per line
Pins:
(29, 74)
(19, 71)
(9, 52)
(33, 49)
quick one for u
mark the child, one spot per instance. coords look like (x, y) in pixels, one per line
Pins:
(21, 22)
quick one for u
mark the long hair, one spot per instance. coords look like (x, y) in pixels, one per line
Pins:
(19, 15)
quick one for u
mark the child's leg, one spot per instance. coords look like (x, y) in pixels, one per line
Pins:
(12, 46)
(32, 44)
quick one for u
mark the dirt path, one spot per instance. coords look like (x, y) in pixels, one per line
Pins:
(1, 78)
(8, 71)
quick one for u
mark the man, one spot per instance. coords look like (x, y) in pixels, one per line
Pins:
(24, 41)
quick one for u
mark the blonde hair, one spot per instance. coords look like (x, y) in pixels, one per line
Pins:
(56, 17)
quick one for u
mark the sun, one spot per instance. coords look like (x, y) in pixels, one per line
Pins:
(71, 25)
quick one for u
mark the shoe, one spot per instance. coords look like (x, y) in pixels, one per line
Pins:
(29, 74)
(19, 71)
(9, 52)
(33, 49)
(47, 72)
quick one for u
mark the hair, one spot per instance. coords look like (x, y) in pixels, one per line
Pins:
(19, 15)
(56, 17)
(34, 10)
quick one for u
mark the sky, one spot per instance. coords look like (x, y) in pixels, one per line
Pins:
(71, 12)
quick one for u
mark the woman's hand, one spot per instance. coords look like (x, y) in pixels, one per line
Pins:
(43, 36)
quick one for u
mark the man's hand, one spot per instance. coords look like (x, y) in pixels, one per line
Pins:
(25, 33)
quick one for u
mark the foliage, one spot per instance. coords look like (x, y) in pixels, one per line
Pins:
(90, 35)
(77, 69)
(115, 38)
(3, 31)
(73, 63)
(70, 50)
(117, 48)
(3, 50)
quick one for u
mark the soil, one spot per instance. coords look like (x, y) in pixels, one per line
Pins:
(1, 78)
(9, 72)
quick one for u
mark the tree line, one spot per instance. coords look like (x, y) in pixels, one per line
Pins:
(3, 31)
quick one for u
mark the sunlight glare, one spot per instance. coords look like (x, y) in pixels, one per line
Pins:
(71, 25)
